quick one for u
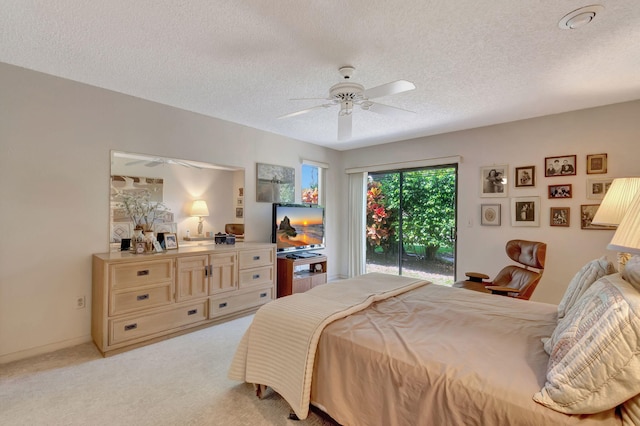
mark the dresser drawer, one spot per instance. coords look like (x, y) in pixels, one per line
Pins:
(139, 274)
(254, 258)
(133, 327)
(256, 276)
(129, 301)
(222, 305)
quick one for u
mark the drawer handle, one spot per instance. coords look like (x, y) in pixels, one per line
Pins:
(256, 257)
(130, 326)
(143, 297)
(263, 294)
(256, 276)
(143, 272)
(222, 305)
(192, 312)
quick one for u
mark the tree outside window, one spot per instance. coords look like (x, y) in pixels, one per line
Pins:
(310, 184)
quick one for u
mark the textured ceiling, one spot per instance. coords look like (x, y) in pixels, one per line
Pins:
(473, 63)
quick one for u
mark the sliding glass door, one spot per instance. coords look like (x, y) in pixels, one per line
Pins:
(411, 217)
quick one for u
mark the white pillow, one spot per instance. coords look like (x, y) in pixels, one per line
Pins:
(589, 274)
(581, 281)
(631, 272)
(594, 363)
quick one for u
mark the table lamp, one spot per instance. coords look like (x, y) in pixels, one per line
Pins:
(616, 201)
(627, 237)
(199, 209)
(615, 205)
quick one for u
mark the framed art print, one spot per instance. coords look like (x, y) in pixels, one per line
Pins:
(559, 216)
(587, 212)
(560, 166)
(275, 184)
(597, 188)
(596, 164)
(525, 176)
(560, 191)
(525, 211)
(490, 214)
(493, 181)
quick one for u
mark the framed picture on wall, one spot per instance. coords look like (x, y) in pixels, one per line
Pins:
(559, 216)
(560, 191)
(597, 188)
(239, 212)
(525, 211)
(275, 184)
(525, 176)
(493, 181)
(560, 166)
(596, 164)
(490, 214)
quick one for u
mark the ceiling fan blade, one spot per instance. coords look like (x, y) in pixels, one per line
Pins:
(344, 127)
(389, 110)
(389, 89)
(304, 111)
(309, 99)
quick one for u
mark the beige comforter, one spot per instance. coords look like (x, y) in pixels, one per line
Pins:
(440, 356)
(278, 350)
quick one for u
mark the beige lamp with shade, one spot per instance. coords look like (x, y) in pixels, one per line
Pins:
(627, 236)
(200, 210)
(614, 207)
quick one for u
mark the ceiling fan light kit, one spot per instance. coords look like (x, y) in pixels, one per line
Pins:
(346, 94)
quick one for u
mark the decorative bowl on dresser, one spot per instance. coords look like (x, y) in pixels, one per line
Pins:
(142, 299)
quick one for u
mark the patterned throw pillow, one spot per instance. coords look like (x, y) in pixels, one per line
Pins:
(589, 274)
(582, 280)
(594, 363)
(631, 272)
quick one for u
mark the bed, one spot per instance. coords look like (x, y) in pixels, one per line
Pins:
(399, 351)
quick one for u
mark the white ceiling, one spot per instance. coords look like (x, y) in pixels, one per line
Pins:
(473, 63)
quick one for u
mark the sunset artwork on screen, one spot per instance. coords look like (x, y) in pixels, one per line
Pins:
(298, 227)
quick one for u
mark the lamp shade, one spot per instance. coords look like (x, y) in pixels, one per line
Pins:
(627, 236)
(617, 201)
(199, 208)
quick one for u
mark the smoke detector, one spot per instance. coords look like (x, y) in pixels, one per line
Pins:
(580, 17)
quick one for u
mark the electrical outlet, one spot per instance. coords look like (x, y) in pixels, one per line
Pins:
(81, 302)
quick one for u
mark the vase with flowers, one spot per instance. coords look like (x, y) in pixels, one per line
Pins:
(139, 207)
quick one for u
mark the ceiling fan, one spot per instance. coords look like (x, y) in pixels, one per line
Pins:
(158, 161)
(347, 94)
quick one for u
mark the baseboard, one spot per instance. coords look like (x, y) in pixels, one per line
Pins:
(39, 350)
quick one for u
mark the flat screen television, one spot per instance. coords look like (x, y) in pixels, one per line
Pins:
(297, 227)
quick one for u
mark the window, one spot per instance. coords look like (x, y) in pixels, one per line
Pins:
(311, 184)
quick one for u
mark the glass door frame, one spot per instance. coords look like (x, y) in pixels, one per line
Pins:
(400, 220)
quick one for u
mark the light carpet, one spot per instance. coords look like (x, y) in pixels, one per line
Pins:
(180, 381)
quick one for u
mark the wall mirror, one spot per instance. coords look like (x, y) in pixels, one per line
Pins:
(175, 184)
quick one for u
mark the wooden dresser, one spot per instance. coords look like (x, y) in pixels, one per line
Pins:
(143, 298)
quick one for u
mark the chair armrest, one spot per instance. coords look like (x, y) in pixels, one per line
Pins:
(503, 291)
(476, 277)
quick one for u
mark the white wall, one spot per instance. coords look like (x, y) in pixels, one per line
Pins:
(55, 140)
(614, 130)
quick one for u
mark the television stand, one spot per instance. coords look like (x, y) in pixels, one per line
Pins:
(299, 274)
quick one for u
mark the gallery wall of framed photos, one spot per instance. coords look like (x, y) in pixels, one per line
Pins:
(528, 191)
